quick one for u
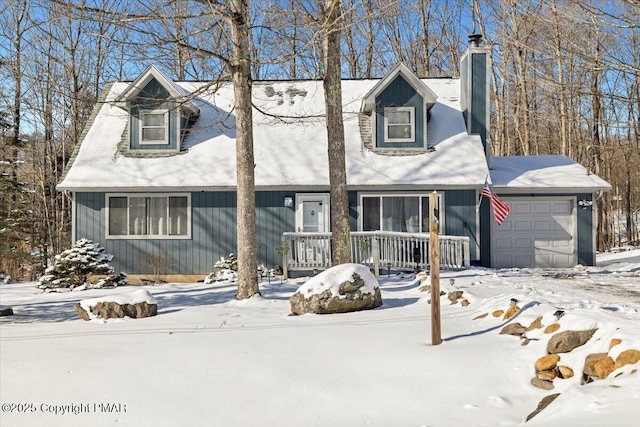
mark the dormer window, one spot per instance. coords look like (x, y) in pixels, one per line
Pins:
(154, 127)
(399, 124)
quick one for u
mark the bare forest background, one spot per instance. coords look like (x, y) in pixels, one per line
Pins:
(565, 80)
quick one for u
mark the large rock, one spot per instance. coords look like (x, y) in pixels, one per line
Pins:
(604, 367)
(6, 312)
(627, 357)
(514, 329)
(547, 362)
(543, 384)
(566, 341)
(340, 289)
(590, 361)
(136, 305)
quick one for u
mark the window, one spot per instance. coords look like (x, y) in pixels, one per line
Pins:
(399, 124)
(406, 213)
(148, 216)
(154, 127)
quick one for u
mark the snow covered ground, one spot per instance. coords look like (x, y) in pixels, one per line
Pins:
(206, 360)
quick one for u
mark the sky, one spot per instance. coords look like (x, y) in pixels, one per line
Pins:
(208, 360)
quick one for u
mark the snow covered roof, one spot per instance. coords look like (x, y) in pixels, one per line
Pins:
(290, 144)
(552, 173)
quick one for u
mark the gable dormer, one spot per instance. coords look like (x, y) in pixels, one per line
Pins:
(160, 112)
(399, 107)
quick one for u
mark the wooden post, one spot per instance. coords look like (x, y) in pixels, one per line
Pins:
(434, 262)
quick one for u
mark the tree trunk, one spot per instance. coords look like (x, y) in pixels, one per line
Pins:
(241, 71)
(341, 243)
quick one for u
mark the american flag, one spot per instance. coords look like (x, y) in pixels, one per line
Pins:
(500, 210)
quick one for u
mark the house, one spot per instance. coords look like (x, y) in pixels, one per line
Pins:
(154, 179)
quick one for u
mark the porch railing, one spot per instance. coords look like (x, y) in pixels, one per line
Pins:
(375, 249)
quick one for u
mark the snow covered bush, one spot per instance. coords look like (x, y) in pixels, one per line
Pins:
(224, 270)
(73, 268)
(4, 279)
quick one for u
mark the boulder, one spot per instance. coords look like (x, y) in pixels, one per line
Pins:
(6, 312)
(511, 311)
(566, 341)
(136, 305)
(513, 329)
(454, 296)
(604, 367)
(565, 372)
(536, 324)
(114, 310)
(589, 369)
(340, 289)
(551, 328)
(627, 357)
(547, 362)
(547, 375)
(543, 384)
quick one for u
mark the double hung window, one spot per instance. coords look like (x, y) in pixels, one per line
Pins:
(399, 124)
(154, 127)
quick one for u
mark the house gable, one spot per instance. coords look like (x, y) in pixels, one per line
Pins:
(159, 115)
(399, 107)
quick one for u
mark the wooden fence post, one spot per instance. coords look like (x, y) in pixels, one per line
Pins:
(434, 263)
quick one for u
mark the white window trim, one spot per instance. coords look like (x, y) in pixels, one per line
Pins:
(147, 236)
(164, 141)
(441, 220)
(412, 119)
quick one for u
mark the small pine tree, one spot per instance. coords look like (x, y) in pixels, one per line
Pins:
(226, 269)
(74, 267)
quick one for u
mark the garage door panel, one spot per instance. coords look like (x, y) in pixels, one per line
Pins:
(541, 225)
(519, 207)
(537, 233)
(541, 208)
(520, 225)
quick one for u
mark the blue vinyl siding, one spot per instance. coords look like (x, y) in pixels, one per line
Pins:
(479, 96)
(399, 93)
(460, 209)
(213, 216)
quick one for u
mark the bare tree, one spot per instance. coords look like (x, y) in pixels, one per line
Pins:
(240, 65)
(331, 14)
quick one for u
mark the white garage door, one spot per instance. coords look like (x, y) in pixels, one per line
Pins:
(537, 233)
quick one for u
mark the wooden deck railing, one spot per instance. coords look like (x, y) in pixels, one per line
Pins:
(375, 249)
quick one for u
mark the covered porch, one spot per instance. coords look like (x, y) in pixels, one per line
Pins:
(375, 249)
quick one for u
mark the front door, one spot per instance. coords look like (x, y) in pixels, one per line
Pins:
(312, 216)
(312, 213)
